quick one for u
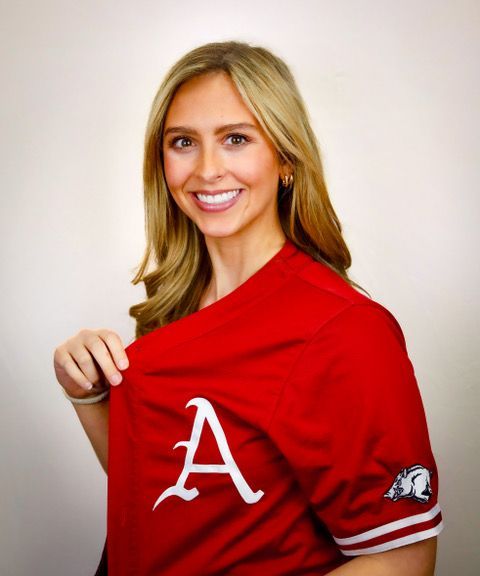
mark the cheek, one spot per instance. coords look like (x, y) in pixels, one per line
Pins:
(257, 167)
(175, 171)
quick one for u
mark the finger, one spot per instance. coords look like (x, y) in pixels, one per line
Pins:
(75, 377)
(85, 362)
(101, 354)
(117, 349)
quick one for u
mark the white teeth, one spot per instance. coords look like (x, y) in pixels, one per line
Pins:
(218, 198)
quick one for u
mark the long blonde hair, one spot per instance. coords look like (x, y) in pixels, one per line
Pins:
(175, 247)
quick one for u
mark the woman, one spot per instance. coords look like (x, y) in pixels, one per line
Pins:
(269, 420)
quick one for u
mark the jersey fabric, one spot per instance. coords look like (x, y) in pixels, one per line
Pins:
(278, 431)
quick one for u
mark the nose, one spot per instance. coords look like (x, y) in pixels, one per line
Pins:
(210, 165)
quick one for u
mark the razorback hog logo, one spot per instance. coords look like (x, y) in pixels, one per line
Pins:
(413, 482)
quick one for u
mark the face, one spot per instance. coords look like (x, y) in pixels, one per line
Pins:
(220, 167)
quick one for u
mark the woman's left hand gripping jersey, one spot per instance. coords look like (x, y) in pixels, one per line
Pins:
(351, 423)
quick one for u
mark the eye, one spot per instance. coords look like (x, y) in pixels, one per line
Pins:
(179, 139)
(237, 137)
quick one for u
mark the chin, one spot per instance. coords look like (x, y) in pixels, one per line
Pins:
(219, 233)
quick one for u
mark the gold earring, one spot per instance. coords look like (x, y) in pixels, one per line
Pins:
(287, 181)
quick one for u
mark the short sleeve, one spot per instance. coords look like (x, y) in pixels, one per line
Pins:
(351, 423)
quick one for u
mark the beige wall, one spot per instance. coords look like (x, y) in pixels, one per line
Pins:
(393, 92)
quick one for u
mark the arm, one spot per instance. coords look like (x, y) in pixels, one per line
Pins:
(413, 560)
(94, 419)
(91, 357)
(351, 423)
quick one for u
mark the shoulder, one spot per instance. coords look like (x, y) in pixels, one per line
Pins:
(324, 300)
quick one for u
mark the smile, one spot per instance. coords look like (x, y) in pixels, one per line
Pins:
(218, 198)
(215, 202)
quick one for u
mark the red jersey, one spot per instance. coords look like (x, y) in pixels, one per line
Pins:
(277, 431)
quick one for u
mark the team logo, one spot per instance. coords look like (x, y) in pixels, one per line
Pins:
(412, 482)
(206, 413)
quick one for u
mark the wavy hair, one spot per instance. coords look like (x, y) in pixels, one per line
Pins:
(176, 253)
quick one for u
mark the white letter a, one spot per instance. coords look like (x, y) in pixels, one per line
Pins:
(205, 411)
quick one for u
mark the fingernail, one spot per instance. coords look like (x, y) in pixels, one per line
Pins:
(88, 385)
(116, 378)
(123, 364)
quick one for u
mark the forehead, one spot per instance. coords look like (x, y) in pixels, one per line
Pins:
(208, 100)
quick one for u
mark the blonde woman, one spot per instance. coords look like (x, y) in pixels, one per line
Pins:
(268, 419)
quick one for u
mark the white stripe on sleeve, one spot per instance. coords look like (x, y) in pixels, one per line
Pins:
(390, 527)
(417, 537)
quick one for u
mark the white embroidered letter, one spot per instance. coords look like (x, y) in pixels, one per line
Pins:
(205, 411)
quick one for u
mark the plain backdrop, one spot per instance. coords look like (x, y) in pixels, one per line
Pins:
(392, 89)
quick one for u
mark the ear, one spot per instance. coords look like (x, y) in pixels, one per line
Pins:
(284, 164)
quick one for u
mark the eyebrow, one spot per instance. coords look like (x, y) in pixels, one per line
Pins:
(224, 128)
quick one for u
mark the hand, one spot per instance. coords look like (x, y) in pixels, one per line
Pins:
(90, 362)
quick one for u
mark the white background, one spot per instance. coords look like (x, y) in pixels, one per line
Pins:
(393, 93)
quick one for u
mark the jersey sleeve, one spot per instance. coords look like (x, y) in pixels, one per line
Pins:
(351, 423)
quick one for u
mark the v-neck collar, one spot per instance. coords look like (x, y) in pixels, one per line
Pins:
(260, 284)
